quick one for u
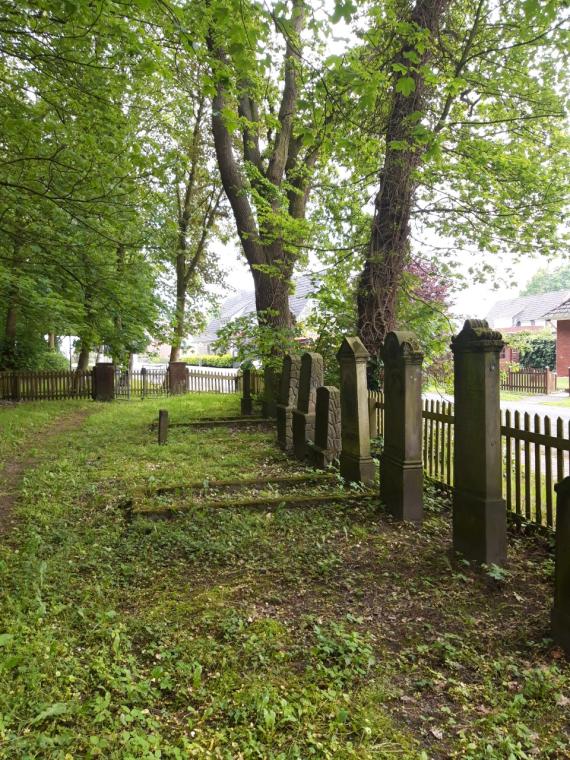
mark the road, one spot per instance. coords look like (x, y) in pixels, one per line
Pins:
(533, 405)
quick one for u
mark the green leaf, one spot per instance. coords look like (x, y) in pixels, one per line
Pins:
(59, 708)
(406, 85)
(5, 638)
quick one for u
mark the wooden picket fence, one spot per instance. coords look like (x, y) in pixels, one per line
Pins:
(52, 385)
(534, 381)
(536, 455)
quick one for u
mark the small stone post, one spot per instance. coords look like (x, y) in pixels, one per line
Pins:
(311, 376)
(162, 426)
(401, 468)
(246, 399)
(270, 392)
(288, 395)
(355, 461)
(479, 512)
(177, 378)
(326, 447)
(103, 381)
(561, 610)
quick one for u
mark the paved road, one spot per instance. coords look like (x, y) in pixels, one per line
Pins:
(532, 405)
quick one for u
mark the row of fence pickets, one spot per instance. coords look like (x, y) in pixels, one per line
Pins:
(535, 451)
(537, 381)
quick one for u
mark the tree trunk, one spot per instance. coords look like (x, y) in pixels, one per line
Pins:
(52, 341)
(178, 327)
(389, 242)
(83, 360)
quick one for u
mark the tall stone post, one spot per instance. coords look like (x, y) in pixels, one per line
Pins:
(177, 378)
(288, 395)
(355, 461)
(246, 398)
(561, 610)
(103, 381)
(162, 426)
(401, 468)
(311, 376)
(479, 512)
(326, 447)
(270, 392)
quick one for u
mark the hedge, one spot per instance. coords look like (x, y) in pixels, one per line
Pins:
(210, 360)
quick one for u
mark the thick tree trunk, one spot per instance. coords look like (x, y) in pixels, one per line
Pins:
(52, 341)
(389, 242)
(178, 326)
(272, 299)
(83, 360)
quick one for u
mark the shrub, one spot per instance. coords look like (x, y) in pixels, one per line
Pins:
(210, 360)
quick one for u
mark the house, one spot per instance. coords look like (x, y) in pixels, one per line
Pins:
(243, 303)
(533, 314)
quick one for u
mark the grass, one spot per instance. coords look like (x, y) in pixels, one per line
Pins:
(331, 632)
(559, 402)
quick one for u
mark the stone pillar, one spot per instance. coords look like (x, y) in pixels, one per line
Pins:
(326, 447)
(270, 392)
(288, 395)
(177, 378)
(479, 512)
(355, 461)
(162, 426)
(246, 399)
(401, 468)
(103, 381)
(561, 610)
(311, 376)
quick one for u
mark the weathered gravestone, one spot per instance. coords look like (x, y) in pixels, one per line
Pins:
(103, 382)
(270, 392)
(355, 461)
(401, 468)
(561, 610)
(311, 376)
(326, 447)
(288, 395)
(162, 426)
(246, 398)
(479, 512)
(177, 377)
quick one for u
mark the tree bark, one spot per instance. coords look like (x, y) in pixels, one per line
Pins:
(389, 241)
(83, 359)
(52, 341)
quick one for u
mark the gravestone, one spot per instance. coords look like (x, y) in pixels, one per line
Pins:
(310, 378)
(246, 397)
(479, 512)
(162, 426)
(270, 392)
(401, 468)
(356, 464)
(288, 395)
(103, 381)
(326, 447)
(561, 610)
(177, 377)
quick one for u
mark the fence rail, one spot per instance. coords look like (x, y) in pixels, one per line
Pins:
(50, 385)
(535, 450)
(529, 381)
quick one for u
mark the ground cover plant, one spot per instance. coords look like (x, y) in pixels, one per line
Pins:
(328, 632)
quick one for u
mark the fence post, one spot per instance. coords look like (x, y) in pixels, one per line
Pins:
(401, 467)
(177, 377)
(479, 512)
(560, 617)
(270, 392)
(327, 427)
(246, 399)
(310, 377)
(356, 464)
(288, 395)
(162, 426)
(104, 381)
(372, 421)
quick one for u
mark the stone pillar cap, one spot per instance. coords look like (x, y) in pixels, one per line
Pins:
(352, 348)
(401, 344)
(476, 335)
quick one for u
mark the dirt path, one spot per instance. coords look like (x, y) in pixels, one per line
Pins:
(12, 473)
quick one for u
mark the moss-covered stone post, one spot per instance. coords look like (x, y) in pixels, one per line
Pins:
(326, 447)
(561, 610)
(103, 381)
(162, 426)
(288, 395)
(246, 398)
(311, 376)
(479, 512)
(177, 378)
(401, 468)
(355, 461)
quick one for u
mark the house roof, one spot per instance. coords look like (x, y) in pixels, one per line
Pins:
(243, 303)
(562, 311)
(526, 308)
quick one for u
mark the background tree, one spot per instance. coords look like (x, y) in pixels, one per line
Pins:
(548, 279)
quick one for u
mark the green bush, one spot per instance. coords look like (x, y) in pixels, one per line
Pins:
(210, 360)
(537, 350)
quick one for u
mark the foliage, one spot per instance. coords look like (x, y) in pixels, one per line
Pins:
(537, 350)
(210, 360)
(547, 279)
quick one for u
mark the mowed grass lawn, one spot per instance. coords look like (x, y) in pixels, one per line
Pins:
(329, 632)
